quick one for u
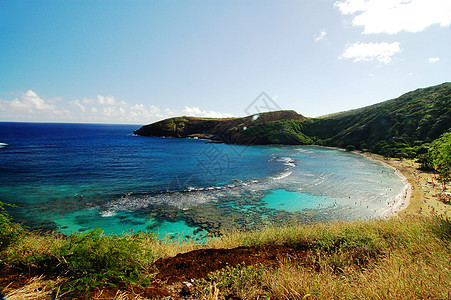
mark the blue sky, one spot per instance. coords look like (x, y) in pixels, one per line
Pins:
(141, 61)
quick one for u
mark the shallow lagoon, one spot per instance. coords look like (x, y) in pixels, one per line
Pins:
(75, 177)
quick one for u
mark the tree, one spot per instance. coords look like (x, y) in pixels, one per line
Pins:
(440, 155)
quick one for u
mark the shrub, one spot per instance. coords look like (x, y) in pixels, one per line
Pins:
(350, 148)
(93, 259)
(9, 231)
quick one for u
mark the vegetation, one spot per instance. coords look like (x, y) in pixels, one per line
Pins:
(406, 257)
(9, 231)
(439, 157)
(403, 127)
(87, 260)
(288, 132)
(396, 258)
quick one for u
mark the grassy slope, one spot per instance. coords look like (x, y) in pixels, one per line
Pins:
(407, 257)
(396, 258)
(397, 127)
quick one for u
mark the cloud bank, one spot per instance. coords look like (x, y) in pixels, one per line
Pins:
(103, 109)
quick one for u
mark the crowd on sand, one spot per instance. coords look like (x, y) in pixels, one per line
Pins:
(426, 194)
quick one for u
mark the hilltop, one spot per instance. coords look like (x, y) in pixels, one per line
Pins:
(400, 127)
(230, 130)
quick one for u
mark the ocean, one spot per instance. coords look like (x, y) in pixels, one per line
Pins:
(76, 177)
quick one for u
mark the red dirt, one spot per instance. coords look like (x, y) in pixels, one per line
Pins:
(12, 279)
(199, 263)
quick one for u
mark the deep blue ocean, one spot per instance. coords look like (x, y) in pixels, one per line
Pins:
(75, 177)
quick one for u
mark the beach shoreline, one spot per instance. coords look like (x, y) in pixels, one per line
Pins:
(421, 195)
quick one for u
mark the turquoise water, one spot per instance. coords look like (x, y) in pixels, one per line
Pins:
(296, 201)
(76, 177)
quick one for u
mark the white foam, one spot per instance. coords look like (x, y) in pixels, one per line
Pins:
(108, 213)
(282, 175)
(288, 161)
(3, 145)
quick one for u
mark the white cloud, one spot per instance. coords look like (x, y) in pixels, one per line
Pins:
(36, 102)
(88, 101)
(79, 105)
(433, 59)
(394, 16)
(138, 107)
(154, 110)
(18, 105)
(30, 102)
(321, 36)
(54, 100)
(381, 52)
(114, 112)
(109, 100)
(197, 112)
(30, 107)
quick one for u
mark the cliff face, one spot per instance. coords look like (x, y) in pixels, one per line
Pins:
(400, 127)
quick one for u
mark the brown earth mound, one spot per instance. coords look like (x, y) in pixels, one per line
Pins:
(199, 263)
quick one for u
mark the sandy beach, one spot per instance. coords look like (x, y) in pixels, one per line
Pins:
(422, 196)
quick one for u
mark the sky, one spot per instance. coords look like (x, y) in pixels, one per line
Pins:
(137, 62)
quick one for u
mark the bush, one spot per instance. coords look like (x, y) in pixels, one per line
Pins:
(94, 259)
(10, 232)
(88, 260)
(350, 148)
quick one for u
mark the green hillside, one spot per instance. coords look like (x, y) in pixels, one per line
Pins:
(401, 127)
(398, 127)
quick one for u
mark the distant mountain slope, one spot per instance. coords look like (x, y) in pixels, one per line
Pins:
(395, 127)
(398, 127)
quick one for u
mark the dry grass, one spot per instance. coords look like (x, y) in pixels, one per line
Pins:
(36, 288)
(48, 289)
(410, 259)
(399, 276)
(398, 258)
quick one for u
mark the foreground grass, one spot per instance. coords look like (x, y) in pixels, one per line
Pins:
(399, 258)
(407, 257)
